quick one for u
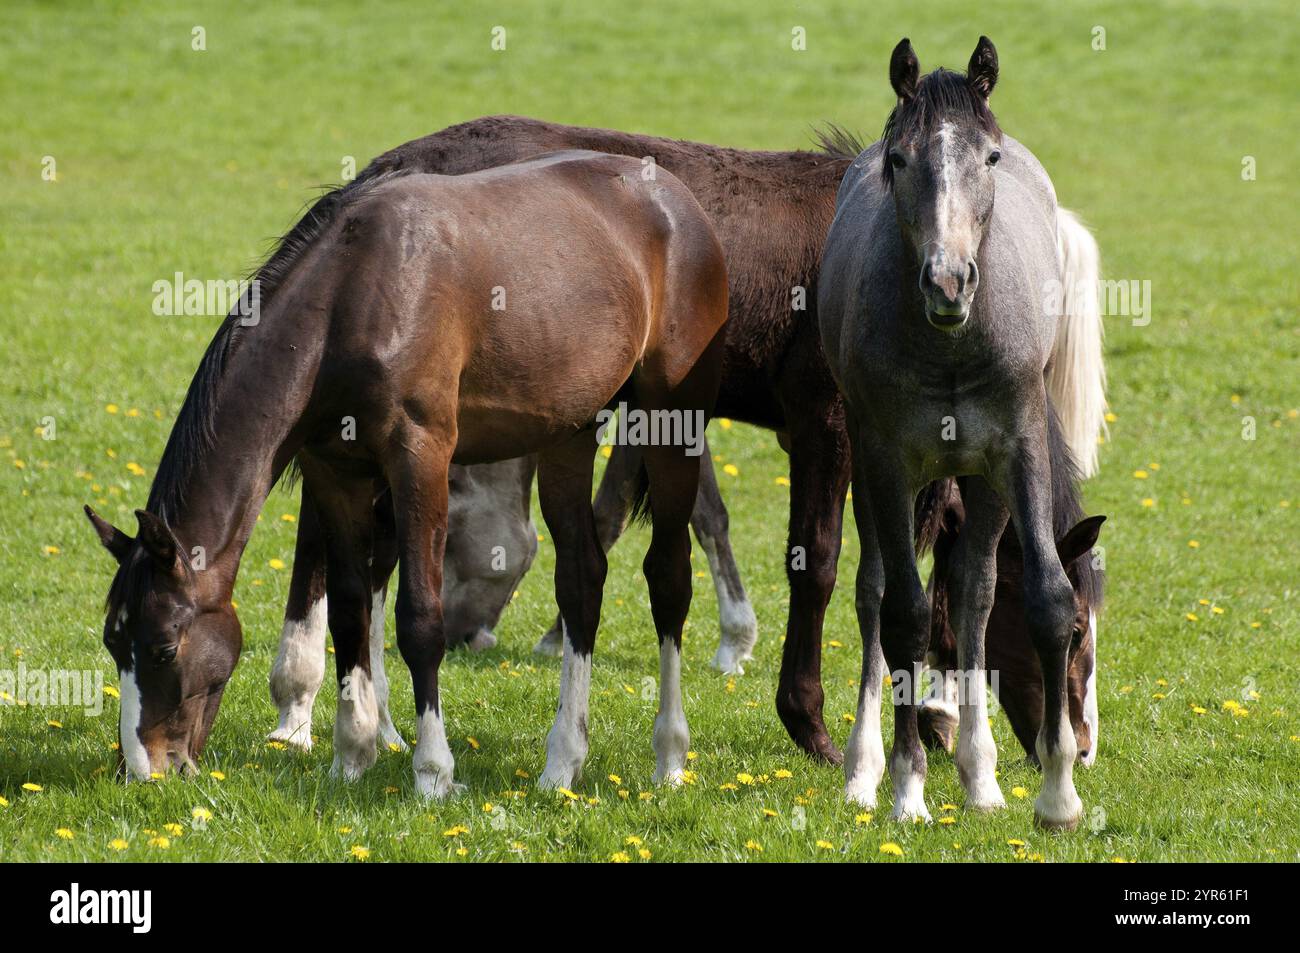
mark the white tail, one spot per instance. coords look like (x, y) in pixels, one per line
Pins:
(1076, 375)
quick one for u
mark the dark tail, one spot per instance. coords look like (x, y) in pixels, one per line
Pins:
(640, 502)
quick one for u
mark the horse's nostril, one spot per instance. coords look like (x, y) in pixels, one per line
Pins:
(972, 274)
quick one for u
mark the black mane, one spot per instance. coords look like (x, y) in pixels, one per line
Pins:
(940, 94)
(192, 434)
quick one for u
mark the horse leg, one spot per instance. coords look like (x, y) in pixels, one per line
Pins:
(971, 588)
(418, 478)
(299, 665)
(383, 562)
(612, 506)
(819, 476)
(864, 756)
(1049, 612)
(737, 624)
(564, 492)
(346, 513)
(904, 625)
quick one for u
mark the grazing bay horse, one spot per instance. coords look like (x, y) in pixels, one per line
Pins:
(771, 211)
(416, 322)
(938, 319)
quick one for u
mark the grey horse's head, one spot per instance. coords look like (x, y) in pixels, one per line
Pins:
(940, 145)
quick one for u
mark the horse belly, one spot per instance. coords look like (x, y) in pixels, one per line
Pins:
(534, 383)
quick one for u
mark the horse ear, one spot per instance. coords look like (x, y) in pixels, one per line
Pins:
(157, 539)
(982, 71)
(112, 538)
(1080, 539)
(904, 70)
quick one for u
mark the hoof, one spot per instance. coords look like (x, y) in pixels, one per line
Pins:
(299, 737)
(552, 779)
(435, 785)
(911, 812)
(811, 736)
(985, 803)
(861, 794)
(1061, 820)
(481, 640)
(551, 644)
(938, 728)
(351, 768)
(731, 659)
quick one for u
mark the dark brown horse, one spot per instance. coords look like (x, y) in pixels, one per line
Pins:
(416, 321)
(771, 211)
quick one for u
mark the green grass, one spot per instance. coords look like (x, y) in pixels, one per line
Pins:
(174, 160)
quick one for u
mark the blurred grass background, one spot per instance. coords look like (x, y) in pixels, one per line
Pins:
(170, 159)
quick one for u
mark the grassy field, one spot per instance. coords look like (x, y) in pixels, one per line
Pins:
(170, 159)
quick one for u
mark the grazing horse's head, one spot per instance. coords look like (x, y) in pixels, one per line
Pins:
(173, 653)
(939, 148)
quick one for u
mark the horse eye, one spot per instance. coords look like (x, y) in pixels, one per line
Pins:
(897, 161)
(1076, 636)
(994, 157)
(164, 654)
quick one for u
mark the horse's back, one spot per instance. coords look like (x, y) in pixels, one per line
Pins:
(530, 290)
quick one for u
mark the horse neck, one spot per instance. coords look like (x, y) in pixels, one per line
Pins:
(211, 490)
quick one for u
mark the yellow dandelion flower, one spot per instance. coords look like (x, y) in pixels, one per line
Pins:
(1019, 792)
(825, 845)
(217, 775)
(462, 851)
(394, 747)
(1193, 544)
(745, 778)
(782, 773)
(277, 745)
(288, 518)
(1148, 502)
(1216, 610)
(768, 812)
(863, 818)
(1016, 842)
(889, 847)
(20, 465)
(112, 692)
(1111, 418)
(619, 857)
(359, 852)
(728, 786)
(111, 408)
(731, 469)
(29, 786)
(521, 773)
(643, 854)
(615, 779)
(646, 796)
(623, 793)
(1140, 474)
(52, 550)
(455, 831)
(754, 846)
(64, 834)
(632, 841)
(118, 843)
(162, 843)
(947, 819)
(782, 481)
(1197, 709)
(473, 742)
(174, 829)
(54, 724)
(201, 814)
(4, 802)
(849, 717)
(568, 794)
(1192, 617)
(276, 563)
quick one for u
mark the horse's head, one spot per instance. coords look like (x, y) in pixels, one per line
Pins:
(174, 653)
(940, 145)
(1010, 653)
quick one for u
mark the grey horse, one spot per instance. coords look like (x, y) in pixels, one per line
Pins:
(939, 304)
